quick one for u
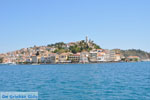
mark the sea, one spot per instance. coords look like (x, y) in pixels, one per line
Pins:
(105, 81)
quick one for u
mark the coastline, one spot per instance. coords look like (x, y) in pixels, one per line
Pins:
(76, 63)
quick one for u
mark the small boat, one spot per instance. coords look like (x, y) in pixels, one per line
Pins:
(9, 63)
(35, 64)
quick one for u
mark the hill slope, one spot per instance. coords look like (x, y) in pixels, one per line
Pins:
(134, 52)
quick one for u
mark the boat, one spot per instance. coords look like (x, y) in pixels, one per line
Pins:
(10, 63)
(35, 64)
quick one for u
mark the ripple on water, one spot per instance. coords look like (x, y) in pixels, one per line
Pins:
(113, 81)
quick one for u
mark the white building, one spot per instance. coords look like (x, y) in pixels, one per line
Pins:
(84, 57)
(93, 56)
(34, 59)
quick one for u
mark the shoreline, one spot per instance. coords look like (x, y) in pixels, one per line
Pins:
(74, 63)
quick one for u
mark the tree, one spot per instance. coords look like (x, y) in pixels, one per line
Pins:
(89, 49)
(56, 51)
(87, 46)
(58, 45)
(59, 51)
(37, 54)
(81, 49)
(97, 46)
(136, 59)
(1, 60)
(75, 49)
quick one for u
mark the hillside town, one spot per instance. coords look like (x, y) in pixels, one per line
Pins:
(84, 51)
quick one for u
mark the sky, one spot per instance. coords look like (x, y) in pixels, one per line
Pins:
(123, 24)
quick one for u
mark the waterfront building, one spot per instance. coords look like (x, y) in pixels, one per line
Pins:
(133, 58)
(36, 59)
(5, 60)
(93, 56)
(107, 55)
(112, 55)
(117, 57)
(75, 58)
(84, 57)
(47, 60)
(51, 58)
(43, 59)
(101, 56)
(28, 60)
(63, 57)
(54, 58)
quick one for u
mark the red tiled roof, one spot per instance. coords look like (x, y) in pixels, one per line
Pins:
(133, 57)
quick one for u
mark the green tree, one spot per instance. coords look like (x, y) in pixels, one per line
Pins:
(97, 46)
(37, 54)
(1, 60)
(75, 49)
(55, 51)
(58, 45)
(136, 59)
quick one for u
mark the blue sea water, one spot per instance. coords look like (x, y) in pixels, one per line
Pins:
(108, 81)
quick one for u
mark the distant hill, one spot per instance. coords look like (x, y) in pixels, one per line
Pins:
(133, 52)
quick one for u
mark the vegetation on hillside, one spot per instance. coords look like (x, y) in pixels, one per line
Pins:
(134, 52)
(61, 47)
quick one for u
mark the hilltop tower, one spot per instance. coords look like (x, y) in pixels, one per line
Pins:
(87, 41)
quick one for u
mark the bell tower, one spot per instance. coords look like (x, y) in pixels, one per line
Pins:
(87, 41)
